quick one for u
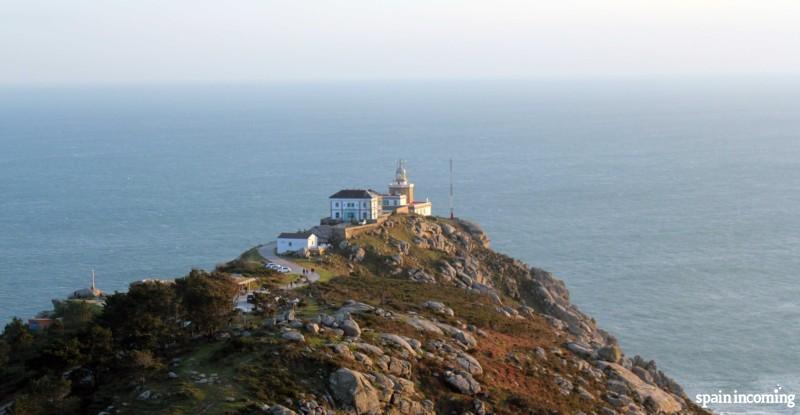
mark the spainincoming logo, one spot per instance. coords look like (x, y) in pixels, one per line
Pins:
(777, 397)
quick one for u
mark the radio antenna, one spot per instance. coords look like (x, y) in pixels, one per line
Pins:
(452, 215)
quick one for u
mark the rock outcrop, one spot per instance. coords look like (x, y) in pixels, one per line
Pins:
(352, 389)
(463, 382)
(470, 265)
(655, 399)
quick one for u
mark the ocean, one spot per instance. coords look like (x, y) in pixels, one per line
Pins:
(669, 207)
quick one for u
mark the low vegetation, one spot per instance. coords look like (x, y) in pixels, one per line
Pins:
(61, 369)
(181, 348)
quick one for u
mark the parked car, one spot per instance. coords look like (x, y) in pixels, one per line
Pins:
(273, 265)
(284, 269)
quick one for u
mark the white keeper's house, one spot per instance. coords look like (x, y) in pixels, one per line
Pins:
(289, 242)
(350, 205)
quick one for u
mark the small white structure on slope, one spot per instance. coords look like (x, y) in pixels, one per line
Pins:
(289, 242)
(87, 293)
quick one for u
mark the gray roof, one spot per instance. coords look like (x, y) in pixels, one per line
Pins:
(355, 194)
(295, 235)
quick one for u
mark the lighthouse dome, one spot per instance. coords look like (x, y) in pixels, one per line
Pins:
(400, 175)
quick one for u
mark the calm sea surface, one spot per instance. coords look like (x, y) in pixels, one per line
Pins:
(669, 208)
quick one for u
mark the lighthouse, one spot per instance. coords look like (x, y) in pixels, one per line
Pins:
(401, 186)
(401, 195)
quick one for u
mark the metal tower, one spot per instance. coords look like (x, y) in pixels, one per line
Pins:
(452, 214)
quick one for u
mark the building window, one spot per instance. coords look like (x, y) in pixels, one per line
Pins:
(290, 243)
(337, 204)
(364, 204)
(337, 215)
(363, 215)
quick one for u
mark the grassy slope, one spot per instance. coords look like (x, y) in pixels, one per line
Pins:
(512, 384)
(265, 369)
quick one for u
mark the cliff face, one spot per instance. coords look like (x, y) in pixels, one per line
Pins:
(517, 345)
(418, 316)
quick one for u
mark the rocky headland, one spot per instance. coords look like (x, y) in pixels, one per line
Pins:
(418, 316)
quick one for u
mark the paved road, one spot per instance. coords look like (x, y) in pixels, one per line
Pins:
(268, 252)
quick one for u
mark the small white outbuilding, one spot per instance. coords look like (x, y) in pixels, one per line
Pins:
(289, 242)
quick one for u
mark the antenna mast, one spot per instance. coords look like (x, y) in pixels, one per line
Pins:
(93, 286)
(452, 215)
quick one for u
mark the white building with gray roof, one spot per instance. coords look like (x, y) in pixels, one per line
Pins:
(355, 205)
(289, 242)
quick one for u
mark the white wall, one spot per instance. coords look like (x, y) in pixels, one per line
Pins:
(292, 245)
(423, 209)
(394, 201)
(370, 206)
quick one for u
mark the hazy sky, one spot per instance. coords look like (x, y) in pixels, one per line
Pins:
(144, 40)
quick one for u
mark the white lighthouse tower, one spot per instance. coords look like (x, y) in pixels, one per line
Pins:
(401, 186)
(401, 195)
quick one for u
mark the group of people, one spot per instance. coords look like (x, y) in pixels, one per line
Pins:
(304, 279)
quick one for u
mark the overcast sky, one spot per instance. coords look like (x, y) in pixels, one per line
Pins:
(81, 41)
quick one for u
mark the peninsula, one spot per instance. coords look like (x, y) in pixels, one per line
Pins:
(401, 313)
